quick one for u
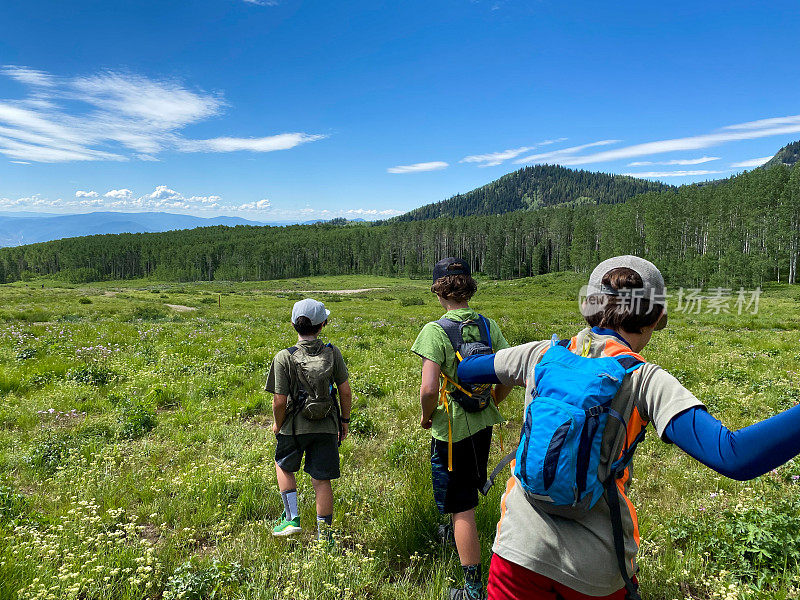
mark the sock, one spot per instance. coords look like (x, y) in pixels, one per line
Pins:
(473, 582)
(324, 526)
(290, 504)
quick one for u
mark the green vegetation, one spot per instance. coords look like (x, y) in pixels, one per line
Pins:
(136, 451)
(742, 231)
(537, 187)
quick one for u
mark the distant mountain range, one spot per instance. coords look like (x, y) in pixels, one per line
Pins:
(537, 187)
(28, 228)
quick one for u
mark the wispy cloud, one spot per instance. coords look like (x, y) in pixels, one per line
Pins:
(497, 158)
(753, 162)
(677, 161)
(418, 167)
(262, 2)
(556, 155)
(661, 174)
(731, 133)
(283, 141)
(114, 116)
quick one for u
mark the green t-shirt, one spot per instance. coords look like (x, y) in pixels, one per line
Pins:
(432, 343)
(281, 380)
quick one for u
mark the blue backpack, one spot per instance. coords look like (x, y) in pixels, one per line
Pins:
(559, 450)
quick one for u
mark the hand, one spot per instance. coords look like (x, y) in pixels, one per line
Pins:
(344, 431)
(276, 429)
(426, 422)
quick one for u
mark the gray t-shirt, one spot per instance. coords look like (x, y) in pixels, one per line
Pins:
(580, 553)
(282, 380)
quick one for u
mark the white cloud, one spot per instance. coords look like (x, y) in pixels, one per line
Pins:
(283, 141)
(556, 155)
(731, 133)
(260, 205)
(82, 194)
(418, 167)
(753, 162)
(114, 116)
(262, 2)
(28, 76)
(677, 161)
(660, 174)
(497, 158)
(119, 194)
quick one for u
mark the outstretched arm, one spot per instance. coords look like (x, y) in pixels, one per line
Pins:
(743, 454)
(478, 368)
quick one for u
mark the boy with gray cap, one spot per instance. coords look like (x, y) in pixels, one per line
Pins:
(308, 420)
(543, 551)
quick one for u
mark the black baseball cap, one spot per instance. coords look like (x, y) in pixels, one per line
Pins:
(450, 266)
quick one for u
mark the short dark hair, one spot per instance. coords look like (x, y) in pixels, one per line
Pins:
(628, 312)
(458, 288)
(303, 326)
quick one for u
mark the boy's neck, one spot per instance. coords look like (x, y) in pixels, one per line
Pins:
(448, 306)
(306, 338)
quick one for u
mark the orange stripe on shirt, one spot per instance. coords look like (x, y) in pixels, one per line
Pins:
(509, 486)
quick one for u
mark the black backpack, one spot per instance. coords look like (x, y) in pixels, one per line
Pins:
(475, 397)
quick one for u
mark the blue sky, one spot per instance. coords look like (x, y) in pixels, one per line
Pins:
(291, 110)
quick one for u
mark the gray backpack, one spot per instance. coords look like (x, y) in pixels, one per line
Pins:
(315, 396)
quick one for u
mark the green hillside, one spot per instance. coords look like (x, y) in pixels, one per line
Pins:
(537, 187)
(789, 155)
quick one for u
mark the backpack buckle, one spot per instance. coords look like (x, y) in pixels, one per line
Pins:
(595, 411)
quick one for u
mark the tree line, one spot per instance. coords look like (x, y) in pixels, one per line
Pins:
(741, 231)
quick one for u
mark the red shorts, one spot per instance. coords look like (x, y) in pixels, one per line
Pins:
(509, 581)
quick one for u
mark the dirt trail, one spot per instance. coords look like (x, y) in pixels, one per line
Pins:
(180, 307)
(328, 291)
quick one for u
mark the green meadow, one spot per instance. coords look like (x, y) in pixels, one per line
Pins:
(136, 450)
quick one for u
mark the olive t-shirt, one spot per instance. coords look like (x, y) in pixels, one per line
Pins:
(579, 553)
(432, 343)
(281, 380)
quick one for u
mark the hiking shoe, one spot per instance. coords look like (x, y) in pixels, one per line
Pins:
(463, 594)
(446, 535)
(287, 527)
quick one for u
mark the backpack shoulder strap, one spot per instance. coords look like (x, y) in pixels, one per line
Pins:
(292, 350)
(628, 362)
(485, 331)
(453, 331)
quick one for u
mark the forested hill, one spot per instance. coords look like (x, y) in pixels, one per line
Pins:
(537, 187)
(789, 155)
(742, 231)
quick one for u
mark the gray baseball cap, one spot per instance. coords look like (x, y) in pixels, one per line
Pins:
(653, 288)
(313, 309)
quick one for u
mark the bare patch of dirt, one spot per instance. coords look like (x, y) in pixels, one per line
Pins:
(180, 307)
(344, 292)
(110, 294)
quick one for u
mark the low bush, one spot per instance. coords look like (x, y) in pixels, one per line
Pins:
(136, 420)
(191, 581)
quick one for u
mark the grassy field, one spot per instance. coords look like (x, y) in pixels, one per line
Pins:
(136, 451)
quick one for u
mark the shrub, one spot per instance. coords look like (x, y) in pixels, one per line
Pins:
(12, 506)
(136, 420)
(92, 375)
(193, 582)
(365, 387)
(26, 353)
(148, 313)
(362, 424)
(49, 453)
(411, 301)
(84, 300)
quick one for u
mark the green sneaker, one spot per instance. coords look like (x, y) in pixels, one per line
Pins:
(287, 527)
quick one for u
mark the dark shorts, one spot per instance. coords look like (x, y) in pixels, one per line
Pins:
(321, 450)
(457, 490)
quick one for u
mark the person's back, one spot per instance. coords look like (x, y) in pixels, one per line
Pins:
(542, 556)
(308, 418)
(460, 418)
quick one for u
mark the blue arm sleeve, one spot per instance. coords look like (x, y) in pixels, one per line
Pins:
(743, 454)
(477, 369)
